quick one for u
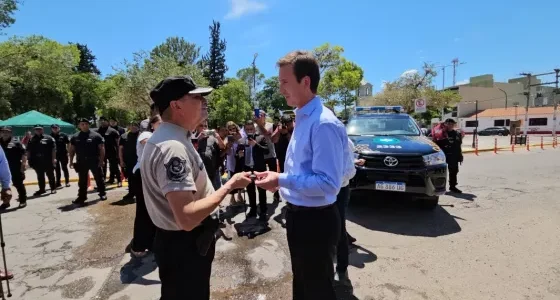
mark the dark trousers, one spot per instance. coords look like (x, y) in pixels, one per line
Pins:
(17, 181)
(144, 228)
(113, 162)
(42, 170)
(453, 167)
(342, 250)
(251, 192)
(83, 169)
(128, 168)
(62, 163)
(183, 272)
(312, 237)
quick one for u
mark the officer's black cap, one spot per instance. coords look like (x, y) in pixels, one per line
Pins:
(103, 119)
(451, 121)
(134, 124)
(83, 120)
(174, 88)
(38, 126)
(6, 128)
(55, 126)
(112, 119)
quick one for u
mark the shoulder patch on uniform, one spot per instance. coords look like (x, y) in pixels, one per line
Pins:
(176, 169)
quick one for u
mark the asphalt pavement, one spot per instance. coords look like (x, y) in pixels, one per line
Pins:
(497, 240)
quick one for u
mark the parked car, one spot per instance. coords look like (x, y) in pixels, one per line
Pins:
(494, 131)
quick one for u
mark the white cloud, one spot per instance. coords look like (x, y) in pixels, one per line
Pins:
(241, 8)
(462, 82)
(409, 72)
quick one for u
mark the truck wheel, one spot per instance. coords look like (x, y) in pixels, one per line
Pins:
(429, 203)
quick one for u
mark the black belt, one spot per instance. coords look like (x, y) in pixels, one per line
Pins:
(306, 208)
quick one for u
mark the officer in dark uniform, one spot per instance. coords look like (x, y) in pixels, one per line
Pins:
(62, 140)
(128, 157)
(15, 154)
(115, 125)
(89, 149)
(450, 142)
(111, 137)
(41, 152)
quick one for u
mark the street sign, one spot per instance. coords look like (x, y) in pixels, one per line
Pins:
(419, 106)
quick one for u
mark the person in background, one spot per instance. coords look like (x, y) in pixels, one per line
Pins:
(266, 130)
(209, 146)
(41, 152)
(234, 159)
(450, 140)
(223, 133)
(255, 150)
(281, 139)
(26, 138)
(115, 125)
(128, 157)
(17, 161)
(144, 228)
(89, 148)
(146, 122)
(62, 141)
(312, 178)
(111, 137)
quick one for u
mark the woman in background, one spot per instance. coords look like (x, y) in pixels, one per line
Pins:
(234, 158)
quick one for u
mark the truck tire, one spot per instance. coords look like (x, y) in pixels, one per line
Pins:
(429, 203)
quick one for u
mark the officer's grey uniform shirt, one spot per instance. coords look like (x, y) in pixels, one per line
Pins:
(169, 164)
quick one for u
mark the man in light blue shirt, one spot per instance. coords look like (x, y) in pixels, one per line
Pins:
(313, 174)
(5, 179)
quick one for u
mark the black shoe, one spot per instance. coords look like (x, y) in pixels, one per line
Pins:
(68, 185)
(110, 182)
(455, 190)
(351, 239)
(103, 198)
(58, 185)
(79, 201)
(252, 213)
(53, 191)
(128, 248)
(263, 217)
(119, 184)
(22, 204)
(4, 206)
(341, 278)
(39, 193)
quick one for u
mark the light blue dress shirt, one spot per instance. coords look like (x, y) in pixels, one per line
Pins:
(314, 166)
(5, 175)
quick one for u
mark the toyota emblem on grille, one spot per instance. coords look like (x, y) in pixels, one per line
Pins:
(390, 161)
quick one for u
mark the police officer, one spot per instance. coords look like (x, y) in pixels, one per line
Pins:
(41, 152)
(178, 193)
(450, 140)
(62, 140)
(128, 156)
(15, 154)
(115, 125)
(89, 149)
(111, 137)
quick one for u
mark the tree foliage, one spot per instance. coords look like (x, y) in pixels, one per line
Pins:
(183, 52)
(87, 61)
(214, 62)
(269, 97)
(246, 75)
(7, 9)
(231, 102)
(328, 56)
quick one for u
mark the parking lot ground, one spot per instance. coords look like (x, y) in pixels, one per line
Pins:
(497, 240)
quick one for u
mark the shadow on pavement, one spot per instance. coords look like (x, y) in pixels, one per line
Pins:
(281, 217)
(124, 201)
(135, 269)
(464, 196)
(359, 256)
(344, 293)
(72, 206)
(401, 216)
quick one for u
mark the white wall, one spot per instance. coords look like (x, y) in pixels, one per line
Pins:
(485, 122)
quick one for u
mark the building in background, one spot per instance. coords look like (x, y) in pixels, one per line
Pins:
(540, 119)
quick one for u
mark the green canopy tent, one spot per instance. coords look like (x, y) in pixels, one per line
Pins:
(26, 121)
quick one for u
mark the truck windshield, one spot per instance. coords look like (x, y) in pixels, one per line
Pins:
(382, 126)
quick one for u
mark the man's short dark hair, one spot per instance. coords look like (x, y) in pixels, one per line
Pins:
(249, 123)
(304, 64)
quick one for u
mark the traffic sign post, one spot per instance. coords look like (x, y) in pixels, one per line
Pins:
(420, 106)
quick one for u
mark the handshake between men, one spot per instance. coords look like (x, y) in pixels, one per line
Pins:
(267, 180)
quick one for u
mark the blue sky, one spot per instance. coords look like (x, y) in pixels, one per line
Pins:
(386, 38)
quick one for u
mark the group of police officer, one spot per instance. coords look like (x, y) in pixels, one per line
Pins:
(51, 155)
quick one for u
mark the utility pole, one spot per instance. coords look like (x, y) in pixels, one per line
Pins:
(475, 133)
(555, 94)
(254, 90)
(443, 77)
(456, 63)
(528, 94)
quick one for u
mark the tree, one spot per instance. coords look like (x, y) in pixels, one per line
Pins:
(7, 9)
(184, 53)
(328, 57)
(87, 60)
(269, 97)
(246, 75)
(39, 73)
(231, 102)
(214, 63)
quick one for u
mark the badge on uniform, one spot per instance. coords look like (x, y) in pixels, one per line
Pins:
(176, 169)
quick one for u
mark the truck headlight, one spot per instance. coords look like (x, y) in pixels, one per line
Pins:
(434, 159)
